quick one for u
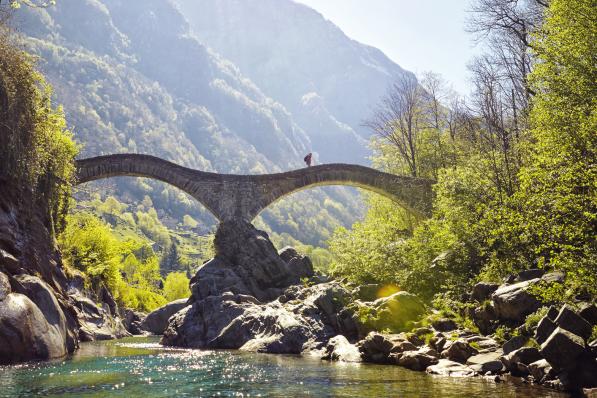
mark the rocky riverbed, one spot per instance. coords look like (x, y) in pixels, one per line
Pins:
(253, 298)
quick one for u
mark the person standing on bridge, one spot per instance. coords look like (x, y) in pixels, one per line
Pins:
(308, 159)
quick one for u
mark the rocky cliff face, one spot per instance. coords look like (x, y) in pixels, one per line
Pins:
(39, 317)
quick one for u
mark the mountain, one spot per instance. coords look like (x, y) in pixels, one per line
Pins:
(141, 76)
(329, 82)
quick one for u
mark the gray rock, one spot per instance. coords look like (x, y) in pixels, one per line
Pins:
(415, 360)
(429, 351)
(554, 277)
(376, 347)
(132, 322)
(529, 274)
(552, 313)
(484, 343)
(25, 334)
(514, 343)
(9, 262)
(234, 321)
(367, 292)
(562, 349)
(339, 348)
(483, 290)
(545, 328)
(571, 321)
(96, 323)
(299, 264)
(157, 321)
(4, 286)
(582, 375)
(444, 325)
(246, 262)
(486, 363)
(540, 369)
(445, 367)
(43, 296)
(485, 318)
(422, 331)
(524, 355)
(589, 313)
(107, 298)
(438, 342)
(402, 346)
(514, 302)
(459, 351)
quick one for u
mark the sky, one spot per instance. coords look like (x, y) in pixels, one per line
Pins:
(419, 35)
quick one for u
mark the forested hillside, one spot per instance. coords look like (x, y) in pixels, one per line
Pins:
(134, 78)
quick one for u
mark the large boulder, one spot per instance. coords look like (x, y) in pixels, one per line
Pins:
(43, 296)
(299, 265)
(96, 323)
(562, 349)
(395, 313)
(514, 302)
(252, 297)
(157, 321)
(489, 362)
(304, 321)
(26, 332)
(589, 313)
(485, 318)
(246, 262)
(132, 321)
(568, 319)
(545, 328)
(416, 360)
(459, 351)
(483, 290)
(445, 367)
(376, 347)
(517, 361)
(339, 349)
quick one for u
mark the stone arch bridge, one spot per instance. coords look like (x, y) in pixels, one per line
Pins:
(233, 197)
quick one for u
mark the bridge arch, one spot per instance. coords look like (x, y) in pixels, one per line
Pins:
(230, 196)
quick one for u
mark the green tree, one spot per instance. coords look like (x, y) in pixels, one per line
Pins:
(176, 286)
(553, 217)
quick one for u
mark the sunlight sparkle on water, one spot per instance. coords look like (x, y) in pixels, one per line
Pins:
(140, 367)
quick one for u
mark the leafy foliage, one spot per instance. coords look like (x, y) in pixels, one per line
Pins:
(176, 286)
(504, 202)
(37, 149)
(127, 266)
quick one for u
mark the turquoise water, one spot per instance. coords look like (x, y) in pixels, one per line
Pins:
(139, 367)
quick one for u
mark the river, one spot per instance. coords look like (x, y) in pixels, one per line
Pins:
(140, 367)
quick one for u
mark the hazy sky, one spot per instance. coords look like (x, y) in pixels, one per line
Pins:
(419, 35)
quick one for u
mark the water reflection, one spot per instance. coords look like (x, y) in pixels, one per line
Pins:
(140, 367)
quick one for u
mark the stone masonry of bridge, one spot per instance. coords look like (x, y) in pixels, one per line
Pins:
(231, 197)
